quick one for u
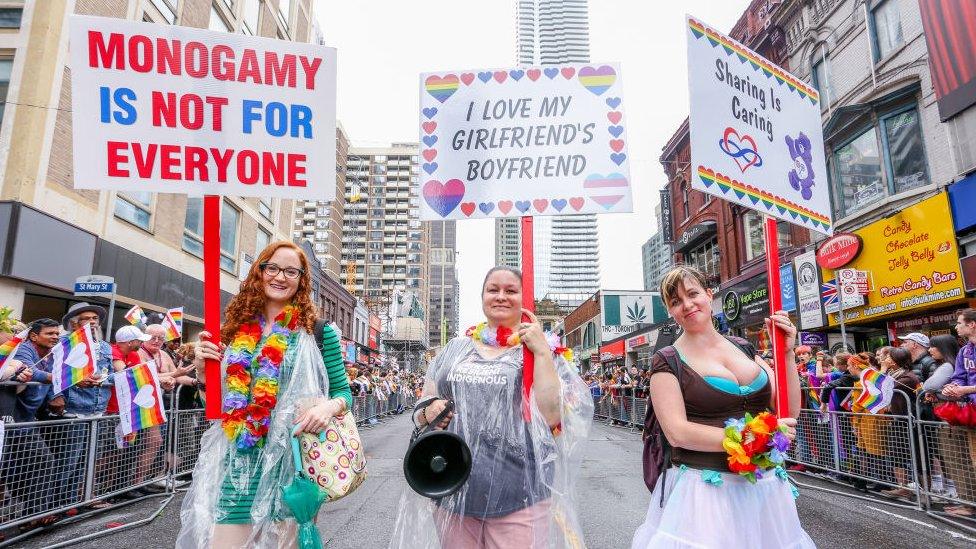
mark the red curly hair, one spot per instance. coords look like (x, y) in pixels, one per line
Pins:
(249, 301)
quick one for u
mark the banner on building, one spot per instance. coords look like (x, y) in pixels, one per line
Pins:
(667, 222)
(950, 34)
(527, 141)
(807, 279)
(624, 312)
(167, 108)
(756, 136)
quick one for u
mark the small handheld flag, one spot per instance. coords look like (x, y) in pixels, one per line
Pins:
(140, 398)
(878, 391)
(136, 316)
(73, 358)
(177, 316)
(172, 332)
(8, 349)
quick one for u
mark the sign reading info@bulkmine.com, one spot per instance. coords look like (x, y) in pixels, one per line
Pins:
(165, 108)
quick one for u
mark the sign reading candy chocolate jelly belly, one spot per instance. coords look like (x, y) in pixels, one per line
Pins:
(520, 142)
(756, 136)
(165, 108)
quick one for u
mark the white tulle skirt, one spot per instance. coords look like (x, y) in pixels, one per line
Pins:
(705, 509)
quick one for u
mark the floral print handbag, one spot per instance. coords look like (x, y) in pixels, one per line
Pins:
(334, 458)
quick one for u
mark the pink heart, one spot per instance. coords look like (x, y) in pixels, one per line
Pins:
(533, 74)
(505, 206)
(500, 76)
(429, 127)
(614, 117)
(431, 154)
(540, 204)
(468, 208)
(576, 202)
(467, 78)
(741, 140)
(568, 72)
(617, 144)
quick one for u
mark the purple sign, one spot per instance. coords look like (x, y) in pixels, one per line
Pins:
(813, 339)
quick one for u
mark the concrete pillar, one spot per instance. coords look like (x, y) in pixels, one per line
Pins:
(12, 295)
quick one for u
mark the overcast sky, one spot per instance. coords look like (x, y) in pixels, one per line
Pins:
(383, 45)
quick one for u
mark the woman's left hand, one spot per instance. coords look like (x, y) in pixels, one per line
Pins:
(530, 333)
(782, 321)
(314, 420)
(790, 424)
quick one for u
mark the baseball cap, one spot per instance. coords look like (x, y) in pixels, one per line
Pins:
(126, 334)
(921, 339)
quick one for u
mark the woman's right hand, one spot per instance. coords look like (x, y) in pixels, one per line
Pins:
(434, 409)
(790, 424)
(206, 350)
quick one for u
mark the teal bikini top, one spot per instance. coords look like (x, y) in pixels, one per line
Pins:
(731, 387)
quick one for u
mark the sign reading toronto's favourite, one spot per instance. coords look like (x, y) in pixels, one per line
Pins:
(164, 108)
(526, 141)
(756, 136)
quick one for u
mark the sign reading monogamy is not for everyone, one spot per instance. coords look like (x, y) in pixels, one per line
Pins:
(527, 141)
(164, 108)
(756, 136)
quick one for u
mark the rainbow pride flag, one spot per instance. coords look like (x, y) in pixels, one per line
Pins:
(878, 391)
(136, 316)
(140, 398)
(177, 316)
(8, 349)
(172, 330)
(73, 358)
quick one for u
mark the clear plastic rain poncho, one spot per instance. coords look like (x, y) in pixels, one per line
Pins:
(225, 477)
(521, 471)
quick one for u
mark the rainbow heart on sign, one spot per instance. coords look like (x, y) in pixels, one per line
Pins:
(597, 80)
(605, 190)
(441, 88)
(444, 197)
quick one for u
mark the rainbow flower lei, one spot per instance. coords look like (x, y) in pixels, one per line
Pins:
(755, 445)
(505, 337)
(247, 410)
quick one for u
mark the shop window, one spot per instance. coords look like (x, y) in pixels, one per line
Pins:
(6, 65)
(230, 218)
(136, 208)
(10, 18)
(705, 258)
(886, 24)
(903, 139)
(193, 227)
(858, 166)
(752, 228)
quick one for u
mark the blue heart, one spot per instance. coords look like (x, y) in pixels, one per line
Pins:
(516, 74)
(613, 102)
(618, 158)
(559, 204)
(486, 207)
(484, 76)
(615, 130)
(429, 140)
(432, 167)
(429, 112)
(551, 73)
(522, 205)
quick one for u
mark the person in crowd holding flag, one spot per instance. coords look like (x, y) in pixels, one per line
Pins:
(275, 385)
(525, 453)
(42, 336)
(713, 493)
(899, 367)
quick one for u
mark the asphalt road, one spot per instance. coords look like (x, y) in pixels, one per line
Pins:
(615, 503)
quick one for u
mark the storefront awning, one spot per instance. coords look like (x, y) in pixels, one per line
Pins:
(695, 234)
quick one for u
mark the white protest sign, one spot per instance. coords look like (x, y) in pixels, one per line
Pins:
(165, 108)
(527, 141)
(756, 135)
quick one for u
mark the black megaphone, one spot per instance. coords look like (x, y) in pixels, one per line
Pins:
(437, 462)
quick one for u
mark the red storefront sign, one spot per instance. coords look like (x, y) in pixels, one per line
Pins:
(612, 351)
(374, 339)
(839, 250)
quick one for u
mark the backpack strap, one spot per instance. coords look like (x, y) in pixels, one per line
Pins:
(319, 333)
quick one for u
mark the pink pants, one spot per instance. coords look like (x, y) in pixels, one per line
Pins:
(525, 529)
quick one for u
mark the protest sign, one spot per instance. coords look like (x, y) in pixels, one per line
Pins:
(523, 142)
(166, 108)
(756, 136)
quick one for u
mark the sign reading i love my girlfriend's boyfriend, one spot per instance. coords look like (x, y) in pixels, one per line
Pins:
(164, 108)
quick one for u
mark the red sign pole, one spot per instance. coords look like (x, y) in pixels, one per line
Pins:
(775, 304)
(528, 303)
(211, 298)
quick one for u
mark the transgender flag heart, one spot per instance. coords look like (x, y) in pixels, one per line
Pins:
(443, 197)
(605, 190)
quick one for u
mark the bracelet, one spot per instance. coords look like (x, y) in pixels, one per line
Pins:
(755, 444)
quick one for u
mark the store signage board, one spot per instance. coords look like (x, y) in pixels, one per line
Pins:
(523, 142)
(756, 136)
(839, 250)
(807, 278)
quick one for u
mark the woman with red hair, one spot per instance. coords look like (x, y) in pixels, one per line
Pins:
(276, 383)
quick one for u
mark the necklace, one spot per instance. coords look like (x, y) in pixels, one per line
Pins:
(247, 409)
(493, 337)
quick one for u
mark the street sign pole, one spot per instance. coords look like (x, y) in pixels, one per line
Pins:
(840, 304)
(111, 314)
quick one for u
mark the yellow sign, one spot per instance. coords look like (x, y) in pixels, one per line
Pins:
(913, 262)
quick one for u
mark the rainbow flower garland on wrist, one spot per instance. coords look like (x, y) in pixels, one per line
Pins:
(247, 410)
(755, 444)
(505, 337)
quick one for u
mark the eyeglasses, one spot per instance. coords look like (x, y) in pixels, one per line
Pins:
(272, 270)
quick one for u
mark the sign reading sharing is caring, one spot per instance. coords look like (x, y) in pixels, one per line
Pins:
(528, 141)
(756, 136)
(164, 108)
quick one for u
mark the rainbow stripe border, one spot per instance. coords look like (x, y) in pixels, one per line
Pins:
(758, 196)
(757, 62)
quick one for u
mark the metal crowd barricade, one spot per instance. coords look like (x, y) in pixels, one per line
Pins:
(948, 453)
(625, 411)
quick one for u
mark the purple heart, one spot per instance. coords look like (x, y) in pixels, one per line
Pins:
(613, 102)
(618, 158)
(430, 168)
(444, 197)
(486, 207)
(551, 73)
(523, 205)
(615, 130)
(559, 204)
(429, 112)
(516, 74)
(429, 140)
(484, 76)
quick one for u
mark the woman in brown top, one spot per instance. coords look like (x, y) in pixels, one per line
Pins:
(703, 504)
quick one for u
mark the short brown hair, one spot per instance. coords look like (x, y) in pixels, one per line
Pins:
(675, 278)
(968, 315)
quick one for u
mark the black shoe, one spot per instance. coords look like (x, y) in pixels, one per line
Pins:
(861, 486)
(153, 489)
